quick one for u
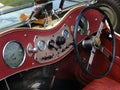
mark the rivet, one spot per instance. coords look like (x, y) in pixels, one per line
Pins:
(96, 19)
(25, 35)
(33, 63)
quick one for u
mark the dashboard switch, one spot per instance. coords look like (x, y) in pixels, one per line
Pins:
(51, 45)
(44, 58)
(48, 57)
(60, 40)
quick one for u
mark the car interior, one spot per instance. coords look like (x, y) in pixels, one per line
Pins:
(60, 45)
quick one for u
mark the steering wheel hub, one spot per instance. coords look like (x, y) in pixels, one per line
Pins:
(96, 42)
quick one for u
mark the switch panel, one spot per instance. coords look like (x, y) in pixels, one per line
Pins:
(54, 46)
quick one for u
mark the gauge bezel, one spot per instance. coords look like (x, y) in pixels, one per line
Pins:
(63, 34)
(24, 55)
(44, 47)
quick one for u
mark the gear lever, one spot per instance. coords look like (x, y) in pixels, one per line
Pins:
(53, 78)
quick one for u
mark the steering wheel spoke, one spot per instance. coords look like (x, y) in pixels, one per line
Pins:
(101, 27)
(91, 58)
(106, 53)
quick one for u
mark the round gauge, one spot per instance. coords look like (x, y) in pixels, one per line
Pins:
(13, 54)
(83, 26)
(41, 45)
(65, 34)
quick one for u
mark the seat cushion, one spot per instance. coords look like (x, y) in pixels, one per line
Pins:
(103, 84)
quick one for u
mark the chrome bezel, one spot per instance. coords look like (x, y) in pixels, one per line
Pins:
(63, 33)
(24, 55)
(44, 46)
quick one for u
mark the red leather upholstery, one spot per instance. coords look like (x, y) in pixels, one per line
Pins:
(103, 84)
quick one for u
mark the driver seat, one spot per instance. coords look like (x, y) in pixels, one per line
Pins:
(103, 84)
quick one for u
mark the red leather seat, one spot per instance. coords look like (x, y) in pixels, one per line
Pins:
(103, 84)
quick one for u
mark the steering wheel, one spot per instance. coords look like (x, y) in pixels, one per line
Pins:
(95, 43)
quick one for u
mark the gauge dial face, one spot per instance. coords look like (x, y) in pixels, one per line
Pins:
(41, 45)
(13, 54)
(65, 34)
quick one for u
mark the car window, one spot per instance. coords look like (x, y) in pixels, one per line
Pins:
(10, 10)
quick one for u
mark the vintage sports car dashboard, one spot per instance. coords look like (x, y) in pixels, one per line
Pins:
(24, 48)
(44, 48)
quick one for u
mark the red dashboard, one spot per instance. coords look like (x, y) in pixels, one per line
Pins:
(24, 48)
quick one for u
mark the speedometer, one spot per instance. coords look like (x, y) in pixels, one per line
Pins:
(13, 54)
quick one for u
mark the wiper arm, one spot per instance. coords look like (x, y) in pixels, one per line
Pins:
(61, 4)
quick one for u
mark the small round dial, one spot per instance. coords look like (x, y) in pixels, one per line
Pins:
(65, 34)
(13, 54)
(41, 45)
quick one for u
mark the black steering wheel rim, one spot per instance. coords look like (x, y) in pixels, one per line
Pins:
(79, 59)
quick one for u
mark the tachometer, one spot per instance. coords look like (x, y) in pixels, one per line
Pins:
(13, 54)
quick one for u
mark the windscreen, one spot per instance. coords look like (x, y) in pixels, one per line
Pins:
(10, 10)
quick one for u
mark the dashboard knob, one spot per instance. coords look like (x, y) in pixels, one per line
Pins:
(51, 45)
(32, 50)
(60, 40)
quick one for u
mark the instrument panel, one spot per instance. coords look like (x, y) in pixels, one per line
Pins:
(52, 47)
(24, 48)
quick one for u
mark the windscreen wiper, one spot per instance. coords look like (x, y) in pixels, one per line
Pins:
(61, 4)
